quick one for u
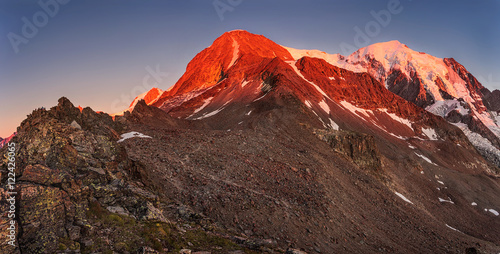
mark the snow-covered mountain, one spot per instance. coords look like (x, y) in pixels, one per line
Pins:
(440, 85)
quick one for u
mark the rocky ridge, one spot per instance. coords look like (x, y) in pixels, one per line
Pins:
(79, 192)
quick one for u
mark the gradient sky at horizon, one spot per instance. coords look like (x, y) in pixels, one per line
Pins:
(98, 53)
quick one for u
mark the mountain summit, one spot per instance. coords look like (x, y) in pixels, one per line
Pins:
(228, 54)
(441, 86)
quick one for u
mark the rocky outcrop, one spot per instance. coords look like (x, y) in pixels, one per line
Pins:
(492, 99)
(361, 148)
(149, 115)
(409, 88)
(77, 189)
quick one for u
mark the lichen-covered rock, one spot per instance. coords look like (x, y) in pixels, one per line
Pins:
(78, 192)
(65, 158)
(42, 217)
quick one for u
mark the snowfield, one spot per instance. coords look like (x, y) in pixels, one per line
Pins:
(132, 134)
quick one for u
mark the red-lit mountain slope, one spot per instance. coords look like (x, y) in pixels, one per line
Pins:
(240, 68)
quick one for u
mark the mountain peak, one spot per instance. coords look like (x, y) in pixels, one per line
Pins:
(391, 50)
(393, 45)
(229, 54)
(236, 35)
(237, 32)
(149, 96)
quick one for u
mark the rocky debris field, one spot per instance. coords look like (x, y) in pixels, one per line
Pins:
(269, 185)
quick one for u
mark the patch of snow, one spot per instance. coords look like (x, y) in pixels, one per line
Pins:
(453, 228)
(236, 51)
(422, 172)
(394, 135)
(213, 113)
(179, 100)
(366, 113)
(446, 200)
(320, 119)
(430, 133)
(331, 78)
(473, 204)
(403, 197)
(308, 103)
(493, 212)
(292, 64)
(297, 54)
(205, 103)
(240, 123)
(443, 108)
(398, 119)
(324, 106)
(355, 110)
(244, 83)
(441, 182)
(490, 121)
(333, 125)
(426, 159)
(412, 147)
(479, 142)
(132, 134)
(249, 112)
(260, 97)
(333, 59)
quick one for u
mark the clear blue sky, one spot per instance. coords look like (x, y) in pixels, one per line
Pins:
(97, 52)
